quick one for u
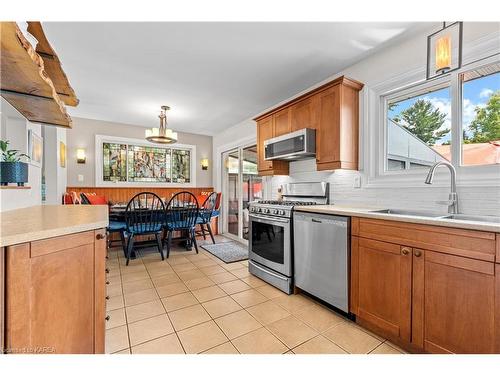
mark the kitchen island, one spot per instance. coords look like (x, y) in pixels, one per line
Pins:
(52, 272)
(429, 284)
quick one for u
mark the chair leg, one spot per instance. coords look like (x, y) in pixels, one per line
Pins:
(169, 243)
(130, 247)
(209, 227)
(203, 231)
(193, 238)
(160, 245)
(122, 238)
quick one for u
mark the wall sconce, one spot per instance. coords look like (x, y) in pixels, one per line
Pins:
(80, 156)
(204, 164)
(444, 50)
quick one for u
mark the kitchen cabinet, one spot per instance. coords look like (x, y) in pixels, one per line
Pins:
(332, 109)
(265, 130)
(430, 289)
(55, 294)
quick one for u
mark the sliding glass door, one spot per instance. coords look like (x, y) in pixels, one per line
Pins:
(241, 185)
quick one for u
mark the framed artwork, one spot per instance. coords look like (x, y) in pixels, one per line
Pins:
(62, 154)
(35, 148)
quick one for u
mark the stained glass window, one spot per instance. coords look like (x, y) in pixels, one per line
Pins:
(148, 164)
(181, 166)
(114, 156)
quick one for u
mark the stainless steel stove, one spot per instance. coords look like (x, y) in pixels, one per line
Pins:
(271, 232)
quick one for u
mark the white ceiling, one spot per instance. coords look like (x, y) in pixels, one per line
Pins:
(213, 75)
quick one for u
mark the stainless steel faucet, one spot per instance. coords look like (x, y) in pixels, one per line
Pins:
(452, 201)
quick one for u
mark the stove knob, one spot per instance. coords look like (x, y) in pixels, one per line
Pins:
(274, 212)
(282, 212)
(266, 210)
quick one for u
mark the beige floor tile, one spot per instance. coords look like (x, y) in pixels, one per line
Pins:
(114, 303)
(144, 310)
(167, 279)
(249, 298)
(401, 350)
(221, 306)
(171, 289)
(201, 337)
(188, 266)
(268, 312)
(260, 341)
(114, 290)
(294, 302)
(231, 266)
(385, 349)
(124, 351)
(196, 258)
(116, 339)
(169, 344)
(188, 317)
(270, 291)
(241, 272)
(253, 281)
(204, 262)
(237, 324)
(176, 259)
(149, 329)
(132, 268)
(190, 275)
(140, 297)
(113, 280)
(351, 338)
(209, 293)
(220, 278)
(156, 272)
(226, 348)
(235, 286)
(136, 286)
(292, 331)
(319, 317)
(318, 345)
(199, 283)
(179, 301)
(212, 270)
(135, 276)
(116, 318)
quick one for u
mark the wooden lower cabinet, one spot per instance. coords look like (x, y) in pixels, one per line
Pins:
(55, 295)
(426, 301)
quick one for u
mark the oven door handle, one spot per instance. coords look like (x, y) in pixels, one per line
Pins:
(268, 219)
(266, 271)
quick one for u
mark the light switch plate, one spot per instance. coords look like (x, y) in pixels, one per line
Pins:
(80, 178)
(357, 182)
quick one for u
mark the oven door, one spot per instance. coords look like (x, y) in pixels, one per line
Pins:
(269, 243)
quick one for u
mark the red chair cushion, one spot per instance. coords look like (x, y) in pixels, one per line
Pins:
(96, 199)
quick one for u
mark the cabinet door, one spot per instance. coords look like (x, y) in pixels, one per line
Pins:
(282, 122)
(384, 286)
(50, 295)
(328, 136)
(454, 304)
(304, 114)
(264, 131)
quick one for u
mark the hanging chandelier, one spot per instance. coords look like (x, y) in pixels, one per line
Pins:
(161, 134)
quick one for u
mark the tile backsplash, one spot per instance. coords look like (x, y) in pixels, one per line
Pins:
(473, 200)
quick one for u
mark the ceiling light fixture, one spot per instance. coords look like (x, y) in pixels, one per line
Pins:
(162, 134)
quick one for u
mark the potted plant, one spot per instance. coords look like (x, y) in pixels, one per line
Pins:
(12, 169)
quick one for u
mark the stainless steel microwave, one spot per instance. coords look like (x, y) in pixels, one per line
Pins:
(300, 144)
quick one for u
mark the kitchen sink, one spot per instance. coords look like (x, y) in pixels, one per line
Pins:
(393, 211)
(486, 219)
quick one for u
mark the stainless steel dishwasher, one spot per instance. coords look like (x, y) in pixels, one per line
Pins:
(321, 256)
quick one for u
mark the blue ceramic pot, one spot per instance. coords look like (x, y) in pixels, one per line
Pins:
(13, 172)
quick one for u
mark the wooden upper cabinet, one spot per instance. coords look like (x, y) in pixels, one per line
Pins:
(265, 130)
(384, 286)
(454, 304)
(304, 114)
(282, 122)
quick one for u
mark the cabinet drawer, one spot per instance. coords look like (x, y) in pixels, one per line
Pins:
(462, 242)
(55, 244)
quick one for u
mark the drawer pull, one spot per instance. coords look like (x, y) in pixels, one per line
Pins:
(100, 236)
(107, 270)
(405, 251)
(108, 317)
(107, 282)
(418, 253)
(107, 297)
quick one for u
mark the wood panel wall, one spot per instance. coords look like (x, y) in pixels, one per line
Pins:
(124, 194)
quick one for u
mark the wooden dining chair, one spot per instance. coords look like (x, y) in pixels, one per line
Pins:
(145, 214)
(205, 216)
(181, 215)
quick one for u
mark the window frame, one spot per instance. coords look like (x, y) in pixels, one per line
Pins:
(375, 138)
(99, 182)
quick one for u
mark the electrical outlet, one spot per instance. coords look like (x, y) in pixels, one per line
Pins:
(80, 178)
(357, 182)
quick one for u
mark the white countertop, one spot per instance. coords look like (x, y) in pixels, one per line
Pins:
(46, 221)
(363, 211)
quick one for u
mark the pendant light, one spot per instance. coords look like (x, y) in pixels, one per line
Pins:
(162, 134)
(444, 50)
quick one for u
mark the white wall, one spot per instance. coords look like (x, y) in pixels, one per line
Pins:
(82, 135)
(14, 127)
(55, 175)
(409, 55)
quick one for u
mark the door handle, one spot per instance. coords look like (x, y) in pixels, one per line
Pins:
(405, 251)
(418, 253)
(316, 221)
(99, 236)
